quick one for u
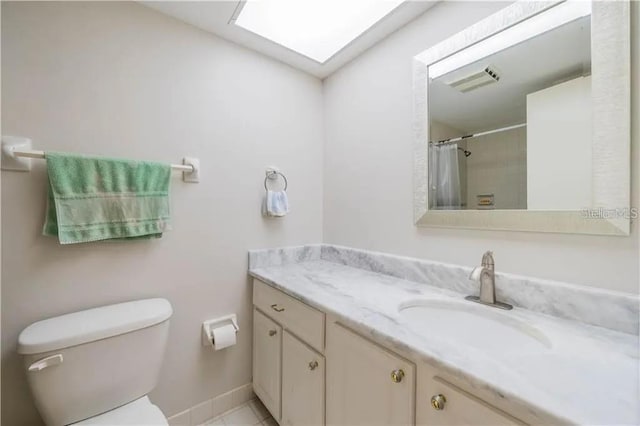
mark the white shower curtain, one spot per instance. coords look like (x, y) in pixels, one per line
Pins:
(444, 177)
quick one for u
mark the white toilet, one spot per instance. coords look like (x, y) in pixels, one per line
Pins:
(95, 367)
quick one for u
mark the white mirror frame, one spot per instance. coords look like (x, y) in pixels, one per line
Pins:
(611, 97)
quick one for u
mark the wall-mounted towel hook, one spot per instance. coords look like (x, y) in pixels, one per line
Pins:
(273, 173)
(276, 202)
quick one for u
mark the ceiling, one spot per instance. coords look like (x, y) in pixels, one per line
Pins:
(215, 16)
(558, 55)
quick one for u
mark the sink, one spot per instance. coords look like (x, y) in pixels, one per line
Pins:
(479, 326)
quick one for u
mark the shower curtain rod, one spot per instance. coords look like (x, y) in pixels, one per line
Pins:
(475, 135)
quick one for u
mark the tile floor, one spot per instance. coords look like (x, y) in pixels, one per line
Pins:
(250, 413)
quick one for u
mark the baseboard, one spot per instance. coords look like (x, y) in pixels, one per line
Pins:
(206, 410)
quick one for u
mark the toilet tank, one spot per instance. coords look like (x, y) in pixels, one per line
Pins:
(85, 363)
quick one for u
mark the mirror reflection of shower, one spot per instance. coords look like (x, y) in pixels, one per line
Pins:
(515, 122)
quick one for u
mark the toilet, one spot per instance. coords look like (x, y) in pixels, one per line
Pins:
(96, 367)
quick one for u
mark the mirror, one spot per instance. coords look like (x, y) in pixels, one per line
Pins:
(509, 119)
(502, 129)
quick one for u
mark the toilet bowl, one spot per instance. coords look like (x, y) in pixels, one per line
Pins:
(140, 412)
(96, 367)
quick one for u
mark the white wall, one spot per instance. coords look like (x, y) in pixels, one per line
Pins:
(368, 169)
(120, 79)
(439, 131)
(559, 146)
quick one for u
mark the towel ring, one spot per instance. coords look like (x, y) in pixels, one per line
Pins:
(273, 175)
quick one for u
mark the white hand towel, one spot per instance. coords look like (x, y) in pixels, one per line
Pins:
(276, 204)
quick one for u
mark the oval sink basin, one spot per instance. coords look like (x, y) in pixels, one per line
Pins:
(480, 326)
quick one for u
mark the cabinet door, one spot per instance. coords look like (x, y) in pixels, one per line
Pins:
(302, 383)
(267, 340)
(366, 384)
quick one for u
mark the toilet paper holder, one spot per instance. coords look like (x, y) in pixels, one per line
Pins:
(209, 325)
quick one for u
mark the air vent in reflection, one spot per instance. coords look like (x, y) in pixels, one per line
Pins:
(487, 75)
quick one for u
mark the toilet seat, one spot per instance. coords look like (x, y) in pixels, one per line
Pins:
(140, 412)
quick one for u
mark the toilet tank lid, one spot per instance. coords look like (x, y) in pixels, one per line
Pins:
(92, 324)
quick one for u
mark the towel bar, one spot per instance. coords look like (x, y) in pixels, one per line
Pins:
(16, 152)
(40, 154)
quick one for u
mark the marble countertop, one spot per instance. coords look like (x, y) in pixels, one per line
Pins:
(585, 374)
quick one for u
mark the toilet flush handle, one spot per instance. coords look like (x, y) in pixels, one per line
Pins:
(46, 362)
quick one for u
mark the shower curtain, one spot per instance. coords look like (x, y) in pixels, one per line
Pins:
(444, 177)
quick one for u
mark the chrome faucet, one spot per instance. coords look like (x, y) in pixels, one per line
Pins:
(485, 275)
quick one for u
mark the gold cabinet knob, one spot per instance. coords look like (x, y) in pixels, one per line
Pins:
(397, 376)
(272, 333)
(438, 401)
(276, 308)
(313, 365)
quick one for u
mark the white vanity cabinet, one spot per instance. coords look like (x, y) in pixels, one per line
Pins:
(366, 384)
(288, 364)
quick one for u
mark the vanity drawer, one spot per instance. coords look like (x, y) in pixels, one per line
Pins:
(459, 407)
(304, 321)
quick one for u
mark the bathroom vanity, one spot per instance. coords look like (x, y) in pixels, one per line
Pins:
(343, 336)
(366, 383)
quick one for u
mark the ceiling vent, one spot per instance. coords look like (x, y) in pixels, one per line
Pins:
(487, 75)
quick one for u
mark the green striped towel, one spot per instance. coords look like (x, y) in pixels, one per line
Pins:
(93, 198)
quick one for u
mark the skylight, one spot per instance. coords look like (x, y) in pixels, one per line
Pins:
(317, 29)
